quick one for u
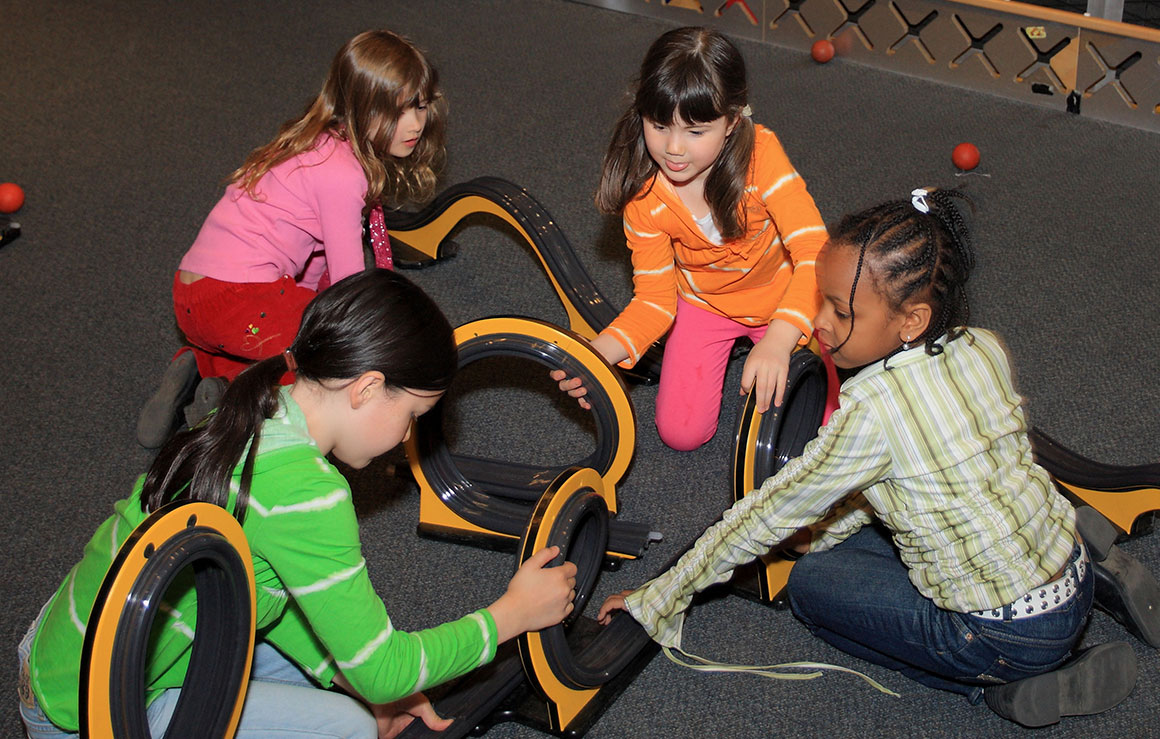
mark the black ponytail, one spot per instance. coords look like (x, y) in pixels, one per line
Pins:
(376, 320)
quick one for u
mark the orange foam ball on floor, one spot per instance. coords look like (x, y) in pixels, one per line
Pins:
(11, 197)
(822, 51)
(965, 156)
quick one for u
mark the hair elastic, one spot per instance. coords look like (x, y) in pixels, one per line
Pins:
(291, 362)
(918, 200)
(747, 111)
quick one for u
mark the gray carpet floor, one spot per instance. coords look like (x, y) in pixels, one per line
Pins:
(121, 119)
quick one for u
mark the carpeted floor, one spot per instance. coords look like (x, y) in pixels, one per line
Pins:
(121, 120)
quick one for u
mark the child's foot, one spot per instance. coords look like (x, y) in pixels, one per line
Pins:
(1125, 589)
(159, 416)
(205, 398)
(1098, 680)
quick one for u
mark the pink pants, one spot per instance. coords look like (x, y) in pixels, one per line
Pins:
(693, 373)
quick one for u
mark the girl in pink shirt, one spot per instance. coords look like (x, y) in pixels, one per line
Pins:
(291, 220)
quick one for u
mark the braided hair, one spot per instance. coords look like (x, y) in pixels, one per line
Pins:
(916, 254)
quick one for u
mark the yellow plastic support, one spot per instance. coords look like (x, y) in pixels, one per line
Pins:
(426, 239)
(435, 513)
(150, 536)
(563, 703)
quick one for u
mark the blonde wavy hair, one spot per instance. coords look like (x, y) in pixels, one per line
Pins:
(374, 78)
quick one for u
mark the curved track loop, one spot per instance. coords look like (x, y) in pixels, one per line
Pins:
(765, 442)
(476, 499)
(426, 232)
(568, 686)
(1121, 493)
(571, 515)
(175, 539)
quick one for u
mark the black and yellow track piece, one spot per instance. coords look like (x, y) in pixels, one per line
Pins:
(764, 442)
(488, 501)
(180, 536)
(560, 679)
(1125, 495)
(426, 232)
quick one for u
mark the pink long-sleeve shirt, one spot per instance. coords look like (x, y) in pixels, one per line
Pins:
(306, 218)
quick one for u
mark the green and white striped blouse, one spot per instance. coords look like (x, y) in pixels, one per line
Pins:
(938, 447)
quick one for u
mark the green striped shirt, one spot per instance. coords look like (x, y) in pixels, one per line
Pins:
(315, 601)
(936, 448)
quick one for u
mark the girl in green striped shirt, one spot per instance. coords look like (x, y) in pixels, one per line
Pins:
(373, 353)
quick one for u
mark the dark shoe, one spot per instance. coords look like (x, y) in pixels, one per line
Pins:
(160, 415)
(1098, 680)
(1098, 533)
(205, 398)
(1125, 589)
(1129, 593)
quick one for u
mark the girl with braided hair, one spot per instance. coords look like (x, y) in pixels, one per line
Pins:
(937, 546)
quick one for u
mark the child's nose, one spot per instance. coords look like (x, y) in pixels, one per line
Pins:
(411, 121)
(674, 145)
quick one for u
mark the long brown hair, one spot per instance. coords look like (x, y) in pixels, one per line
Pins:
(698, 75)
(374, 77)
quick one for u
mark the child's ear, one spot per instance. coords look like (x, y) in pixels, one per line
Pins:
(916, 318)
(364, 388)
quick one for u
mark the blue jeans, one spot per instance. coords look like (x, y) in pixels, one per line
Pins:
(859, 598)
(281, 701)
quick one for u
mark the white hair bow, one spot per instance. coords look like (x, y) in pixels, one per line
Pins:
(918, 200)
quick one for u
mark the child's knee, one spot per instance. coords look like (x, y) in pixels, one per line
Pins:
(797, 589)
(684, 437)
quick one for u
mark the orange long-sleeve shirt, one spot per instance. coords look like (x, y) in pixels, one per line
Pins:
(767, 274)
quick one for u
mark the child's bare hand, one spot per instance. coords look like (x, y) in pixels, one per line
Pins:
(612, 603)
(766, 369)
(574, 386)
(537, 597)
(393, 717)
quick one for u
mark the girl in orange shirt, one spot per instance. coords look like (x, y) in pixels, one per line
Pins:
(722, 231)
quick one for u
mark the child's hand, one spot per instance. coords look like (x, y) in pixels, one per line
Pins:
(612, 603)
(767, 366)
(574, 386)
(393, 717)
(537, 596)
(606, 347)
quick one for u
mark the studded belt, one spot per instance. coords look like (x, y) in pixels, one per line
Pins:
(1045, 598)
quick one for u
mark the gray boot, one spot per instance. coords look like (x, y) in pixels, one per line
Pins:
(160, 415)
(206, 397)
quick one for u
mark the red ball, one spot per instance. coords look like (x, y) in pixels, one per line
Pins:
(965, 156)
(11, 197)
(822, 51)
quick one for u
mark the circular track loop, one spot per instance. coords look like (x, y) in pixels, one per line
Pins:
(481, 491)
(180, 537)
(766, 441)
(571, 515)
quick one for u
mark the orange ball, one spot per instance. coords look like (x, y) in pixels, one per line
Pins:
(11, 197)
(965, 156)
(822, 51)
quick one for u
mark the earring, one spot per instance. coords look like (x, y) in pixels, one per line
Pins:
(906, 344)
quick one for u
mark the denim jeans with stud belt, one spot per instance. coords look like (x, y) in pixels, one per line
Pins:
(859, 598)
